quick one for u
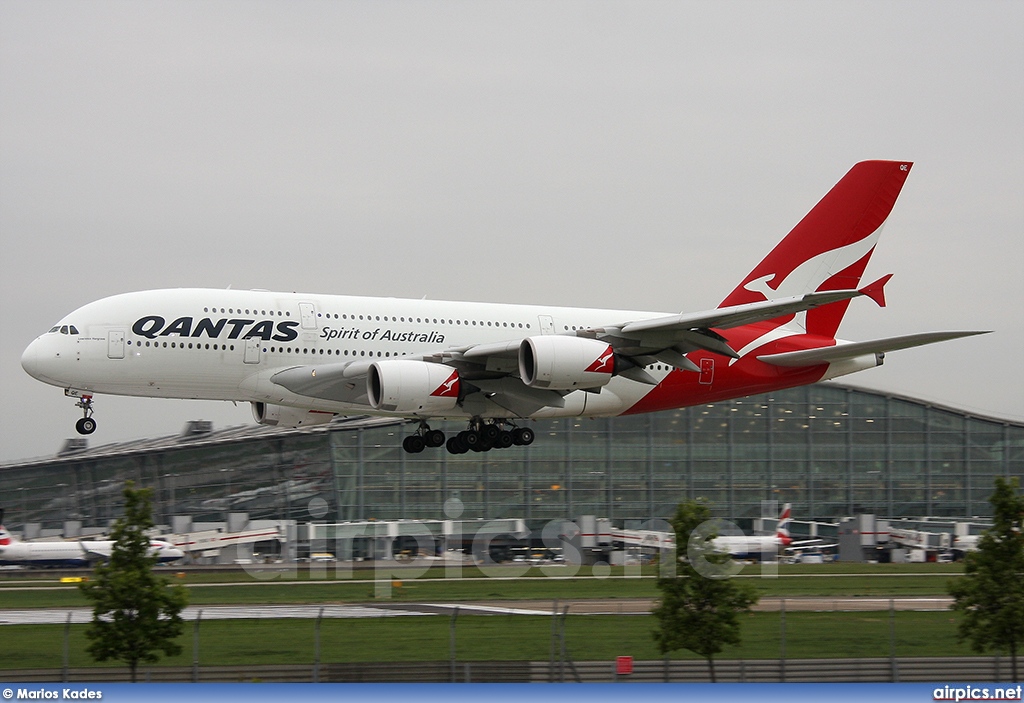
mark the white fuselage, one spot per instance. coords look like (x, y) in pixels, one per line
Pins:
(227, 344)
(74, 554)
(747, 546)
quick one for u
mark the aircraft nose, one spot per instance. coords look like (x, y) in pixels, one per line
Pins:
(40, 360)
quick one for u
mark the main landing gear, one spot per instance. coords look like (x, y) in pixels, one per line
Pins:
(481, 436)
(424, 437)
(86, 425)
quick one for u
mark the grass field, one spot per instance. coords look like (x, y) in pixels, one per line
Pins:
(480, 638)
(501, 637)
(875, 580)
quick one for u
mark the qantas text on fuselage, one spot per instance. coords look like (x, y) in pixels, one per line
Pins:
(301, 359)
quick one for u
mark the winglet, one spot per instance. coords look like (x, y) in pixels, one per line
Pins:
(876, 290)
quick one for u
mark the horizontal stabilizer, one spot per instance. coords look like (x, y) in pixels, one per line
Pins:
(851, 350)
(876, 290)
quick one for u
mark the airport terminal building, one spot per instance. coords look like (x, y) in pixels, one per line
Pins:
(829, 449)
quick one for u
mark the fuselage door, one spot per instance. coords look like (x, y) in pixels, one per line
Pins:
(252, 349)
(707, 371)
(547, 324)
(115, 344)
(308, 313)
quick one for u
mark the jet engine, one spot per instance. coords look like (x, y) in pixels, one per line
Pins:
(282, 416)
(410, 386)
(565, 363)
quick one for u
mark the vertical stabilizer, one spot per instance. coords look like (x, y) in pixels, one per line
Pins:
(5, 536)
(782, 529)
(830, 247)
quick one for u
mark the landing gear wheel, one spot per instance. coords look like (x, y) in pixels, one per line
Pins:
(86, 425)
(523, 436)
(490, 433)
(470, 439)
(505, 440)
(413, 444)
(455, 446)
(434, 438)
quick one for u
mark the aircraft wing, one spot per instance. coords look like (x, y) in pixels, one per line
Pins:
(667, 339)
(851, 350)
(492, 368)
(92, 555)
(737, 315)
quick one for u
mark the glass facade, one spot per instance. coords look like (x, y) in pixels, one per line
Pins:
(828, 449)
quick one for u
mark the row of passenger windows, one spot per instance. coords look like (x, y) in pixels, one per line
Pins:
(380, 318)
(377, 318)
(248, 311)
(273, 350)
(305, 351)
(181, 345)
(330, 352)
(423, 320)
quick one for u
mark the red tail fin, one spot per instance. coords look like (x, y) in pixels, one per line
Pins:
(5, 536)
(830, 247)
(782, 529)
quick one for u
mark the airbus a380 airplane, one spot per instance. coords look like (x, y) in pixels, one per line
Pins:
(302, 358)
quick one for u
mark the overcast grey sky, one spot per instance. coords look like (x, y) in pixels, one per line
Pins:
(640, 155)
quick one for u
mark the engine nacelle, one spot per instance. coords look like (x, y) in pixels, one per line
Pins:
(565, 363)
(282, 416)
(410, 386)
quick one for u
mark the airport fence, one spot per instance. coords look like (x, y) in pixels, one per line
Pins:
(864, 670)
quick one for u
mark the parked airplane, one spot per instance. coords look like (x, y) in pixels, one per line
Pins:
(300, 359)
(757, 545)
(965, 543)
(70, 554)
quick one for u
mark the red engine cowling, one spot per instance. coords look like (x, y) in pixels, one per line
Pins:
(410, 386)
(565, 363)
(282, 416)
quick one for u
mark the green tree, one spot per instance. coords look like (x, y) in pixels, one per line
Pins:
(990, 594)
(700, 605)
(136, 614)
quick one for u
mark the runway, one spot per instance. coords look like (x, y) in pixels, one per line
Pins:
(596, 607)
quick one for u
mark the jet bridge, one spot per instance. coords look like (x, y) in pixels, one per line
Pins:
(226, 543)
(407, 539)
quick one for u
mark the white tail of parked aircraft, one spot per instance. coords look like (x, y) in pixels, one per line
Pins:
(302, 358)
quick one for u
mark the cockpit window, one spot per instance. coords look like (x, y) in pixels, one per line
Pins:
(73, 330)
(54, 329)
(64, 329)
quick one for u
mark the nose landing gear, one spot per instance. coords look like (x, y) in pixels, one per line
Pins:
(86, 425)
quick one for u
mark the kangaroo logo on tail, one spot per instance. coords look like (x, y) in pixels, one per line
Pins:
(827, 250)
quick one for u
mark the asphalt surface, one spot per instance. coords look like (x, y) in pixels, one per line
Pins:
(634, 606)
